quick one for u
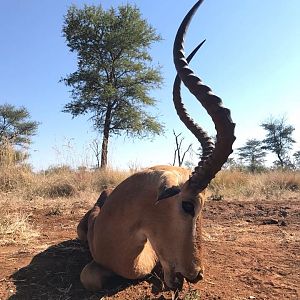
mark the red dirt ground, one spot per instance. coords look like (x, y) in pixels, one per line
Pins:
(251, 251)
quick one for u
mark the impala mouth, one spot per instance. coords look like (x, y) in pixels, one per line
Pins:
(177, 280)
(197, 278)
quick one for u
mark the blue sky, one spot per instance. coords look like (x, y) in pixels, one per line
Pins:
(250, 59)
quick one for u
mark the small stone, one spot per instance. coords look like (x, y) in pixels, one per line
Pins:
(283, 213)
(283, 223)
(270, 221)
(251, 297)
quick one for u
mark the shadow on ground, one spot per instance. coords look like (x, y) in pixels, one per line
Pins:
(54, 274)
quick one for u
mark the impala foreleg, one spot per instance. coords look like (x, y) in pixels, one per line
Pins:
(94, 277)
(82, 228)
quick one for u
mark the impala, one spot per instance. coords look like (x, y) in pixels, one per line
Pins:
(151, 216)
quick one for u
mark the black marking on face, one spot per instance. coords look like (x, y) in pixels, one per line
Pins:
(169, 192)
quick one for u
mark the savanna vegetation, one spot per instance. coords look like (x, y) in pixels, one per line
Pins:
(42, 209)
(60, 187)
(112, 84)
(115, 71)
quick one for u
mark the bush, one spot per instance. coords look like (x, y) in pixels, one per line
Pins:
(108, 178)
(57, 190)
(15, 178)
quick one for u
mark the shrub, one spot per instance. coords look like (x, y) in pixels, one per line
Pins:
(15, 178)
(16, 229)
(108, 178)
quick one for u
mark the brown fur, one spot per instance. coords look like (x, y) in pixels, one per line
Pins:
(87, 220)
(133, 230)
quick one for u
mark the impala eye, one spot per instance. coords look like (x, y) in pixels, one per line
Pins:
(188, 207)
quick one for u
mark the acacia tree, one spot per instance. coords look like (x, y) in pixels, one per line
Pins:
(16, 131)
(114, 74)
(278, 139)
(16, 126)
(252, 153)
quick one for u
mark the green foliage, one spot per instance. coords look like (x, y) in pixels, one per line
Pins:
(16, 130)
(279, 139)
(16, 127)
(232, 164)
(114, 75)
(252, 153)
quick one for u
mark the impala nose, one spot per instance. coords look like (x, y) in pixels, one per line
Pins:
(199, 276)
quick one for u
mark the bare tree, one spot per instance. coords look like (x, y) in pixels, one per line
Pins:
(96, 148)
(296, 156)
(178, 151)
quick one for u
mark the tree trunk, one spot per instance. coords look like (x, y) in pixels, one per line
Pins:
(280, 160)
(106, 129)
(104, 150)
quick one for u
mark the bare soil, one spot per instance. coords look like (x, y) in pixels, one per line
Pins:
(251, 250)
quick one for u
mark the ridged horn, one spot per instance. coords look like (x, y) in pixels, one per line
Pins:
(206, 142)
(207, 168)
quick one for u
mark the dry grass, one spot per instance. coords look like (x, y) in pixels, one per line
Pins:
(56, 183)
(13, 178)
(56, 191)
(63, 182)
(15, 228)
(18, 216)
(61, 190)
(269, 185)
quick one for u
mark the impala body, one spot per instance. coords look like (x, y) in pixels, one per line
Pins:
(151, 216)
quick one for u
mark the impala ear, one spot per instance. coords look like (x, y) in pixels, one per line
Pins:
(168, 192)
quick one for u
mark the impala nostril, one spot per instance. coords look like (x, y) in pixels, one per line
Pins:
(178, 281)
(199, 276)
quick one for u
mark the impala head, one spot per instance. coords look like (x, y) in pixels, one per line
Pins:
(173, 236)
(178, 250)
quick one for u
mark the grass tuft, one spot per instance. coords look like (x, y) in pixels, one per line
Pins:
(269, 185)
(58, 182)
(108, 178)
(15, 228)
